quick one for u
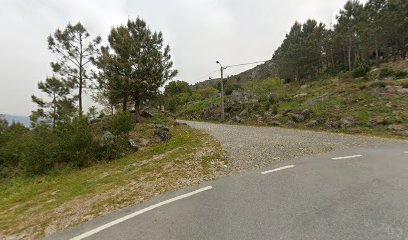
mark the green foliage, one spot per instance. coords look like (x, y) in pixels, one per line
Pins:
(122, 74)
(360, 71)
(400, 75)
(203, 93)
(378, 84)
(177, 87)
(122, 123)
(75, 52)
(385, 72)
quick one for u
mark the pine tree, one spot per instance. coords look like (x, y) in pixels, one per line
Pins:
(136, 63)
(75, 53)
(59, 103)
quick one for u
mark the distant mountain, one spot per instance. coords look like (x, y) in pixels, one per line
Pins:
(21, 119)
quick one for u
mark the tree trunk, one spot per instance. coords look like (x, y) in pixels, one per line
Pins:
(377, 57)
(349, 57)
(125, 100)
(80, 77)
(137, 110)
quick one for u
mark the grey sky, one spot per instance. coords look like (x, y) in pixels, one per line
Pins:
(199, 33)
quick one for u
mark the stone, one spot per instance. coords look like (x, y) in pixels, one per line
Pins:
(304, 86)
(275, 123)
(332, 125)
(296, 117)
(312, 124)
(396, 127)
(162, 132)
(307, 113)
(244, 112)
(237, 119)
(179, 124)
(291, 123)
(134, 144)
(316, 100)
(300, 95)
(146, 114)
(347, 123)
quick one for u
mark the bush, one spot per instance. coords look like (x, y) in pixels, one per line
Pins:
(400, 75)
(360, 71)
(122, 123)
(378, 84)
(385, 72)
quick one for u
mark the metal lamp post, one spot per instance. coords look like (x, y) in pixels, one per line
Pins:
(222, 92)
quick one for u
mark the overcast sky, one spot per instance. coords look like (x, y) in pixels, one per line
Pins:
(199, 33)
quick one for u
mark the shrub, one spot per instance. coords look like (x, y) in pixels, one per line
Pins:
(122, 123)
(360, 71)
(385, 72)
(378, 84)
(400, 75)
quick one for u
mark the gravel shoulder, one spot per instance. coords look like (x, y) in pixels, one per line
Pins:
(249, 147)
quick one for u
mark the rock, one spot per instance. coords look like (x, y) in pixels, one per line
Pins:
(304, 86)
(243, 112)
(278, 116)
(290, 123)
(275, 123)
(332, 125)
(300, 95)
(347, 123)
(349, 101)
(134, 144)
(212, 112)
(162, 132)
(238, 96)
(312, 124)
(147, 114)
(396, 89)
(259, 118)
(396, 127)
(316, 100)
(296, 117)
(179, 124)
(307, 113)
(237, 119)
(107, 136)
(286, 112)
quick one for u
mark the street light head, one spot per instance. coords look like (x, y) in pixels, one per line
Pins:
(217, 62)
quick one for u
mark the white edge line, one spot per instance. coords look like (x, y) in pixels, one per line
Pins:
(353, 156)
(134, 214)
(278, 169)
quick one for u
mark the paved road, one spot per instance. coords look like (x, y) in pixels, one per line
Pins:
(316, 197)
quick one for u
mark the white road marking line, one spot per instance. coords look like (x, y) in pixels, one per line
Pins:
(119, 220)
(278, 169)
(354, 156)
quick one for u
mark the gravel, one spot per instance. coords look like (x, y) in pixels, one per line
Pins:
(248, 147)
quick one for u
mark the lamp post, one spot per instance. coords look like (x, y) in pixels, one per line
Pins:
(222, 91)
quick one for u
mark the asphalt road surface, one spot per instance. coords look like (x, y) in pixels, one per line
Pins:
(356, 189)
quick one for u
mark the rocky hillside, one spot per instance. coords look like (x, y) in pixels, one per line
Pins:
(375, 104)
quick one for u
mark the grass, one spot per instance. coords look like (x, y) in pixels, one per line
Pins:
(347, 98)
(32, 207)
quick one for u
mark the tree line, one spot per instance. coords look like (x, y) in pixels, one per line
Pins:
(364, 35)
(128, 71)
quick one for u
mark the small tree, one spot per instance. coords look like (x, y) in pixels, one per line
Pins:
(59, 104)
(75, 52)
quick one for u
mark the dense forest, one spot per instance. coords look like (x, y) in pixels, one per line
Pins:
(364, 35)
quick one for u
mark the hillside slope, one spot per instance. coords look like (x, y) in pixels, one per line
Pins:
(376, 104)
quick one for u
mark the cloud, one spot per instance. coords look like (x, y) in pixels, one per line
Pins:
(199, 33)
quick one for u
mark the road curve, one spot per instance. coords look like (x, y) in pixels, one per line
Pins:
(350, 188)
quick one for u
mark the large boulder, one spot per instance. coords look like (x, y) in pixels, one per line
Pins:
(162, 133)
(296, 117)
(312, 124)
(307, 113)
(396, 127)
